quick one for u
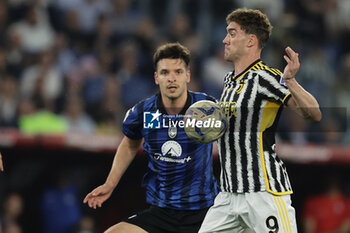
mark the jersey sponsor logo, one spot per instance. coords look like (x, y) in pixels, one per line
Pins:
(171, 148)
(171, 151)
(151, 120)
(230, 108)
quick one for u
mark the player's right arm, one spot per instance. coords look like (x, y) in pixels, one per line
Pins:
(125, 154)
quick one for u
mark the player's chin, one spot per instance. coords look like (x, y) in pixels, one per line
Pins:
(173, 94)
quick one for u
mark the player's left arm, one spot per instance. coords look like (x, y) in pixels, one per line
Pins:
(301, 101)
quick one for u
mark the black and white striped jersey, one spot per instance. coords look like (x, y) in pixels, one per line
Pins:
(253, 101)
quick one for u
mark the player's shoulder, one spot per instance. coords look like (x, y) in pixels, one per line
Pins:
(197, 96)
(142, 106)
(266, 71)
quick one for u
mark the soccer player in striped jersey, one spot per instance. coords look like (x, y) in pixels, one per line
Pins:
(255, 189)
(180, 186)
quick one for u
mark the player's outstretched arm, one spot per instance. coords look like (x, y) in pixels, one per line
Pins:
(125, 154)
(1, 164)
(302, 102)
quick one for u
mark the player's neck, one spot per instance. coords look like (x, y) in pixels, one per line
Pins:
(174, 106)
(244, 62)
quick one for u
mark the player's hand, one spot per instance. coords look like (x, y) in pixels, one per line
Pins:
(293, 65)
(1, 164)
(98, 196)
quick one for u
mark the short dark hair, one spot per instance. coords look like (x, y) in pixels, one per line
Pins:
(172, 51)
(252, 22)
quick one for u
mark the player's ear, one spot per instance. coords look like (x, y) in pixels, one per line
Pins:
(252, 40)
(156, 78)
(188, 79)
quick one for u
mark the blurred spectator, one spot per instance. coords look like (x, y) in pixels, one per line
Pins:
(341, 90)
(134, 86)
(273, 9)
(123, 19)
(296, 128)
(327, 212)
(9, 100)
(103, 34)
(332, 132)
(112, 112)
(316, 75)
(86, 225)
(337, 18)
(66, 59)
(72, 30)
(88, 12)
(12, 212)
(311, 25)
(3, 21)
(35, 33)
(13, 228)
(3, 61)
(15, 57)
(93, 84)
(77, 120)
(180, 28)
(60, 207)
(214, 70)
(43, 81)
(33, 120)
(146, 37)
(109, 125)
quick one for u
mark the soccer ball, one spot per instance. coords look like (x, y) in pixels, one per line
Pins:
(205, 121)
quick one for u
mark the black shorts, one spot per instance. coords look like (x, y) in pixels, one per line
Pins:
(164, 220)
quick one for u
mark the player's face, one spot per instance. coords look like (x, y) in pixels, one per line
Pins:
(235, 42)
(172, 77)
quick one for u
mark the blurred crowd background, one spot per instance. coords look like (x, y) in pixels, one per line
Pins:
(76, 66)
(80, 64)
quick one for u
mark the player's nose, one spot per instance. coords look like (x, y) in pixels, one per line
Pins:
(224, 40)
(171, 78)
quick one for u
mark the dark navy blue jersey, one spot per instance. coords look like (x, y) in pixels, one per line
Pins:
(180, 173)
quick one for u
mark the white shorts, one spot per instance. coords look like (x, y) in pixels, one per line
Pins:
(258, 212)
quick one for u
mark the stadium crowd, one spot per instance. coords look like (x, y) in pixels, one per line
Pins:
(82, 63)
(78, 65)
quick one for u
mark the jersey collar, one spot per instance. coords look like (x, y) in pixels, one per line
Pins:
(239, 76)
(184, 109)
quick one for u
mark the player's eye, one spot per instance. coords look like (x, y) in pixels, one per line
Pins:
(179, 71)
(164, 72)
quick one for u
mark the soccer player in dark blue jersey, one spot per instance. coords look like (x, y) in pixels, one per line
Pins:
(179, 182)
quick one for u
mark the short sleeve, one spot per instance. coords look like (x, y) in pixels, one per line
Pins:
(132, 124)
(273, 87)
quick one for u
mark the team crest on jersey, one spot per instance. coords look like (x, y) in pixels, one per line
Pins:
(172, 132)
(241, 85)
(172, 149)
